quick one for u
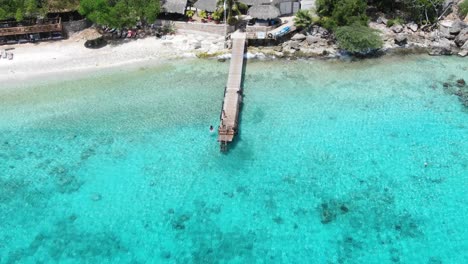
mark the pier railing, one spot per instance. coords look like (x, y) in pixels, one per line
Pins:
(54, 25)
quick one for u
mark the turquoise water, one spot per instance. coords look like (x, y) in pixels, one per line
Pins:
(337, 162)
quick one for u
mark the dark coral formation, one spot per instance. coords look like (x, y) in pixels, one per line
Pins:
(458, 88)
(66, 241)
(330, 210)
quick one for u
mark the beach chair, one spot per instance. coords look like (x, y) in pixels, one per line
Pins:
(10, 56)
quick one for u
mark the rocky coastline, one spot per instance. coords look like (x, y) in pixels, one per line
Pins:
(449, 37)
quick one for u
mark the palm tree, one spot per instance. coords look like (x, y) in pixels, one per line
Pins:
(303, 19)
(233, 7)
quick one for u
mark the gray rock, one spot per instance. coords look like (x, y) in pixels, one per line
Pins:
(401, 39)
(298, 36)
(441, 47)
(397, 28)
(311, 40)
(465, 46)
(444, 32)
(462, 38)
(412, 26)
(457, 26)
(382, 20)
(463, 53)
(278, 48)
(292, 44)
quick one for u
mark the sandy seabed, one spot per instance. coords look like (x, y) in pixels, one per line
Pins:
(70, 55)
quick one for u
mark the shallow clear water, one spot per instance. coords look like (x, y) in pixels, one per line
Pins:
(329, 166)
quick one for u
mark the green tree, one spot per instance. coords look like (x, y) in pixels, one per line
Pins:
(358, 38)
(303, 19)
(336, 13)
(233, 8)
(424, 11)
(120, 13)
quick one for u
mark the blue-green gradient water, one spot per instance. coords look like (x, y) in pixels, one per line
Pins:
(336, 162)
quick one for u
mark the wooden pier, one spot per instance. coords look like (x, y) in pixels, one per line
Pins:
(232, 93)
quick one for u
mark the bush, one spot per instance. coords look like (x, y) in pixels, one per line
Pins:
(464, 8)
(357, 38)
(190, 13)
(395, 21)
(202, 14)
(232, 21)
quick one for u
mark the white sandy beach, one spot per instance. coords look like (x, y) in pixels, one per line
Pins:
(70, 55)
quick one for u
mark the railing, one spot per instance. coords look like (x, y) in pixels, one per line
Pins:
(42, 28)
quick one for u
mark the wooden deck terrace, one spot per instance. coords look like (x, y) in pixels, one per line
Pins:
(232, 93)
(53, 26)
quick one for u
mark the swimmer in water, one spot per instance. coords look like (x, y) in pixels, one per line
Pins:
(211, 128)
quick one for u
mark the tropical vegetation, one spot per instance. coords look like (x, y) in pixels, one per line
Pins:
(20, 9)
(303, 19)
(358, 38)
(233, 8)
(120, 13)
(464, 8)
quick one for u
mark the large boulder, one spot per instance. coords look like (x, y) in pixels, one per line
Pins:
(457, 26)
(401, 39)
(441, 47)
(412, 26)
(465, 46)
(444, 31)
(462, 37)
(382, 20)
(298, 36)
(397, 28)
(312, 40)
(292, 44)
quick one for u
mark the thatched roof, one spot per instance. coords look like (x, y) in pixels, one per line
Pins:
(58, 6)
(264, 12)
(174, 6)
(256, 2)
(264, 2)
(208, 5)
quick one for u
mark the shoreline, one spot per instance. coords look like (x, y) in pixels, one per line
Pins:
(49, 60)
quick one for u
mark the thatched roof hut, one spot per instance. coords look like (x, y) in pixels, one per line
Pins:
(263, 12)
(257, 2)
(174, 6)
(208, 5)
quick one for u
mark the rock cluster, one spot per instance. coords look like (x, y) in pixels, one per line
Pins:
(315, 42)
(450, 37)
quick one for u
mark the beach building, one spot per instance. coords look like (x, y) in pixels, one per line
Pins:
(307, 4)
(174, 6)
(265, 11)
(207, 5)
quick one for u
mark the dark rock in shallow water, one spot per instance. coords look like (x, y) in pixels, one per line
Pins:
(222, 60)
(179, 222)
(327, 215)
(461, 83)
(166, 255)
(96, 197)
